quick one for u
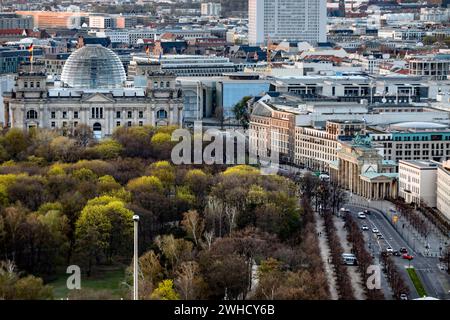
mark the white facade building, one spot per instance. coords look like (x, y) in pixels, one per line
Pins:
(211, 9)
(291, 20)
(443, 189)
(417, 181)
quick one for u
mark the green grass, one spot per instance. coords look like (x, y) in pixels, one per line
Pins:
(416, 281)
(104, 280)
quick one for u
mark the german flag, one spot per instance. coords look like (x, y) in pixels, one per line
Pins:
(30, 50)
(147, 50)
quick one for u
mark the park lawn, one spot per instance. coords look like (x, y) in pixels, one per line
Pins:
(416, 281)
(109, 280)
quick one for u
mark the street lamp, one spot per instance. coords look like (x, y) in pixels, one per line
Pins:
(135, 259)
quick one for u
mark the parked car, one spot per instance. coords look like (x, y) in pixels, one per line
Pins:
(365, 228)
(403, 296)
(403, 250)
(396, 253)
(407, 257)
(361, 215)
(390, 250)
(375, 230)
(380, 236)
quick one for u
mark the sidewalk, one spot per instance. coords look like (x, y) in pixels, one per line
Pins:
(325, 254)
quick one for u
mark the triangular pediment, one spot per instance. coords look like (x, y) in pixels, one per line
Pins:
(96, 98)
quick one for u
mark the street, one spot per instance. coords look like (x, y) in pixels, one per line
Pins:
(435, 281)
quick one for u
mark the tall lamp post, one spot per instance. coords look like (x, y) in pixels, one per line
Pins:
(135, 259)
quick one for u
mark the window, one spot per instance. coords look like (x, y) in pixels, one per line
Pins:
(129, 114)
(97, 113)
(53, 115)
(75, 124)
(141, 114)
(53, 124)
(117, 123)
(161, 114)
(75, 114)
(25, 84)
(118, 115)
(141, 123)
(32, 114)
(64, 114)
(31, 84)
(129, 123)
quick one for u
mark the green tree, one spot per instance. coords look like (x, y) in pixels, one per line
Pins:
(165, 291)
(241, 113)
(15, 142)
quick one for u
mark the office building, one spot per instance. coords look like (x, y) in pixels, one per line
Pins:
(417, 181)
(290, 20)
(443, 189)
(211, 9)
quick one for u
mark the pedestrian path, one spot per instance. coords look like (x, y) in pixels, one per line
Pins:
(353, 271)
(326, 258)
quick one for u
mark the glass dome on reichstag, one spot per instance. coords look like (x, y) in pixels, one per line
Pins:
(93, 67)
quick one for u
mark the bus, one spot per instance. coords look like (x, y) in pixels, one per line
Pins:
(349, 259)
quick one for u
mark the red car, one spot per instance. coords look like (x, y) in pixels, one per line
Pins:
(407, 257)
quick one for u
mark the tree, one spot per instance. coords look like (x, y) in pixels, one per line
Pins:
(82, 134)
(15, 142)
(108, 149)
(165, 291)
(189, 282)
(150, 274)
(174, 250)
(241, 113)
(194, 225)
(13, 287)
(64, 149)
(93, 230)
(162, 145)
(136, 141)
(29, 190)
(145, 184)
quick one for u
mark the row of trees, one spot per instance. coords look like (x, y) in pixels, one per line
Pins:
(365, 259)
(414, 218)
(395, 279)
(345, 288)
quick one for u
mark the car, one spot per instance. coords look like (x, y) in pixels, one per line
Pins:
(403, 296)
(365, 228)
(375, 230)
(380, 236)
(389, 250)
(403, 250)
(396, 253)
(361, 215)
(407, 256)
